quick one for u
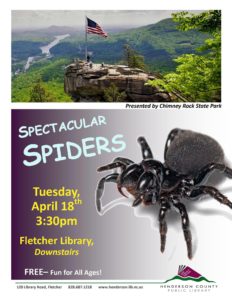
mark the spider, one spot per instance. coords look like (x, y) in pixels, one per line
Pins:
(189, 158)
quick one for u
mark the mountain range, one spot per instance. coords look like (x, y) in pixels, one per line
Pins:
(159, 43)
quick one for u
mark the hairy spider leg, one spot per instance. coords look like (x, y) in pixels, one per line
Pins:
(100, 188)
(209, 168)
(202, 189)
(185, 226)
(173, 133)
(146, 150)
(162, 224)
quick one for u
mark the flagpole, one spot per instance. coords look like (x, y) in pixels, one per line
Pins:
(86, 51)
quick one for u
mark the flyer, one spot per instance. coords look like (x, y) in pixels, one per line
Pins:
(118, 161)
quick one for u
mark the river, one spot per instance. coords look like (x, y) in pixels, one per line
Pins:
(29, 61)
(45, 50)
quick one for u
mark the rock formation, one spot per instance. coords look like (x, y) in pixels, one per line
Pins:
(87, 82)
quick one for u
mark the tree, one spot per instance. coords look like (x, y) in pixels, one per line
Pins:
(132, 58)
(112, 94)
(208, 21)
(197, 76)
(39, 94)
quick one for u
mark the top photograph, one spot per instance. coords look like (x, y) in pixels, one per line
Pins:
(116, 56)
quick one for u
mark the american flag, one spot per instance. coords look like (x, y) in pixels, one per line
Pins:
(94, 28)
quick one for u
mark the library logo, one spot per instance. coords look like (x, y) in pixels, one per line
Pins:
(188, 280)
(186, 273)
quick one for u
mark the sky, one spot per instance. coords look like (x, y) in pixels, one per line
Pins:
(32, 19)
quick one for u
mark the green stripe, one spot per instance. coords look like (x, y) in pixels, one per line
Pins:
(89, 282)
(177, 277)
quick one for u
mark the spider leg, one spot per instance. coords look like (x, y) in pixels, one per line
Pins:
(149, 180)
(173, 133)
(100, 188)
(162, 224)
(185, 226)
(123, 160)
(145, 181)
(137, 201)
(128, 177)
(201, 190)
(118, 162)
(209, 168)
(112, 165)
(146, 150)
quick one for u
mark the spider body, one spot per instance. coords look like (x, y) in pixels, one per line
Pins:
(190, 158)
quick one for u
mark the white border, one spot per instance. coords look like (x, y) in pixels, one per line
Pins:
(7, 287)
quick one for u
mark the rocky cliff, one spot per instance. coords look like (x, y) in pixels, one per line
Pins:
(88, 82)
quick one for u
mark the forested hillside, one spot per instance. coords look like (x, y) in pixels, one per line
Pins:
(158, 43)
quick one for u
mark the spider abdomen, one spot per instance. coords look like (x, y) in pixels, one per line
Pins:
(190, 151)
